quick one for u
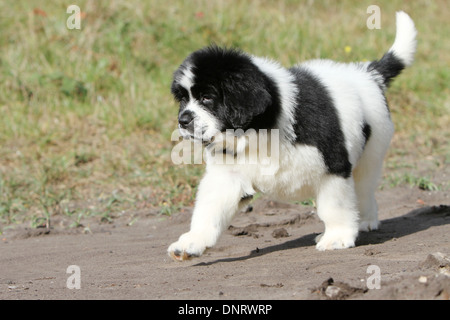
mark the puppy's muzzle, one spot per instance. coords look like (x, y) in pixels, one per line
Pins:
(186, 120)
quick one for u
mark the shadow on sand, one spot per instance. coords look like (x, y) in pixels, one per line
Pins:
(412, 222)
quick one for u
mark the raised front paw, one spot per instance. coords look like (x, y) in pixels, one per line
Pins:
(189, 245)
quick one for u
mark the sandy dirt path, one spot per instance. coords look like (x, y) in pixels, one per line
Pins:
(267, 253)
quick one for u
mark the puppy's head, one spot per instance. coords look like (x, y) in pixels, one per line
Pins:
(220, 89)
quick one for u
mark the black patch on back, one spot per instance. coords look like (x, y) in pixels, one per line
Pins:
(389, 66)
(317, 123)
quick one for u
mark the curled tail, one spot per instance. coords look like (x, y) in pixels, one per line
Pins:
(401, 54)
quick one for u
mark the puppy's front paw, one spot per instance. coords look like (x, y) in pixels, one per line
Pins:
(189, 245)
(336, 239)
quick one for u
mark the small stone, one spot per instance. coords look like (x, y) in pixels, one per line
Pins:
(332, 292)
(423, 279)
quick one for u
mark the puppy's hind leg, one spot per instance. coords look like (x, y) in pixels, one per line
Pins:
(366, 181)
(367, 175)
(337, 208)
(218, 199)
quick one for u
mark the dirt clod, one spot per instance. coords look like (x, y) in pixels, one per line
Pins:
(280, 233)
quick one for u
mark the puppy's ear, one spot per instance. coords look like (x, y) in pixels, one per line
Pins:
(245, 97)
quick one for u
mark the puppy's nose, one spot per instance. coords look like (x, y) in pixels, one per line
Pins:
(185, 118)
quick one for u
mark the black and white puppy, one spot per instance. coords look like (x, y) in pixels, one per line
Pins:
(333, 128)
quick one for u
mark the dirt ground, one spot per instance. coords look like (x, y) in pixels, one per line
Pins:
(267, 253)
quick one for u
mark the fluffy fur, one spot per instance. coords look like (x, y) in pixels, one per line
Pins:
(334, 130)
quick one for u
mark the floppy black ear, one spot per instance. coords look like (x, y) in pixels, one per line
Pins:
(245, 97)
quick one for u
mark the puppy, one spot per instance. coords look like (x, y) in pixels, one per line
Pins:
(332, 127)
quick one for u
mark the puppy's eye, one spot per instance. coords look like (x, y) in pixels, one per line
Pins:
(183, 100)
(206, 99)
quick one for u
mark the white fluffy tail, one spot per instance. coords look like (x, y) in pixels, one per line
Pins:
(405, 42)
(401, 54)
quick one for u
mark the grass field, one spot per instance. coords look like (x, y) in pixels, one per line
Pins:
(87, 115)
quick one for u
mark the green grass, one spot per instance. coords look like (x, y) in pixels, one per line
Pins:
(87, 115)
(423, 183)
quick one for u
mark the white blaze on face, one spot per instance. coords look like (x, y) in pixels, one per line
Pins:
(186, 80)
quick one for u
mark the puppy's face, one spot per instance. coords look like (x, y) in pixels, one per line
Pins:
(219, 89)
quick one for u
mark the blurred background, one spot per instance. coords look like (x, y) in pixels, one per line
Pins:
(86, 115)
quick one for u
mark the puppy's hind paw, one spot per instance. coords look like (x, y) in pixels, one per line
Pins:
(368, 225)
